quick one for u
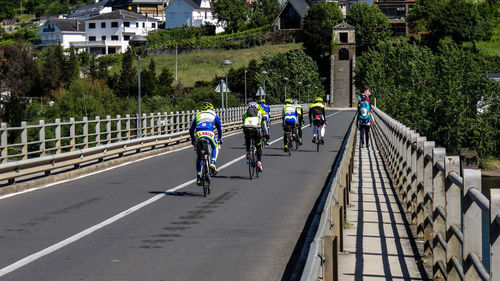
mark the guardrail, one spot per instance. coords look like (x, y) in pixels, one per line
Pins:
(74, 143)
(322, 259)
(444, 200)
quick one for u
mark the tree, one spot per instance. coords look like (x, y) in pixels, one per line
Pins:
(462, 20)
(53, 64)
(233, 13)
(264, 12)
(371, 25)
(165, 81)
(127, 83)
(71, 67)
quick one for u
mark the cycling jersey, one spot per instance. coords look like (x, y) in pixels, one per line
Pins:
(202, 127)
(290, 114)
(265, 110)
(252, 121)
(317, 113)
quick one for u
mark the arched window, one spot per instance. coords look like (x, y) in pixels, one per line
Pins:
(344, 54)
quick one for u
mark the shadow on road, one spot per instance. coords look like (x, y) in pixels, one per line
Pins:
(178, 193)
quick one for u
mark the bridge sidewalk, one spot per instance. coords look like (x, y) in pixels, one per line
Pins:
(378, 244)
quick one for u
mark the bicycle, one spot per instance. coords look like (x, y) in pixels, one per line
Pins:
(252, 161)
(317, 138)
(292, 139)
(204, 149)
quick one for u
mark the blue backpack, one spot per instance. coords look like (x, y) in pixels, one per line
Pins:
(364, 113)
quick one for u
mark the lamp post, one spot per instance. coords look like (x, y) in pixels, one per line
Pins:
(264, 73)
(300, 84)
(228, 63)
(246, 86)
(285, 79)
(139, 43)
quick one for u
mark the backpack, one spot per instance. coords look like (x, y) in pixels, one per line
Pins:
(252, 112)
(364, 113)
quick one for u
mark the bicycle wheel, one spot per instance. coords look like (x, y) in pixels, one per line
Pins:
(317, 143)
(205, 178)
(290, 144)
(255, 161)
(250, 162)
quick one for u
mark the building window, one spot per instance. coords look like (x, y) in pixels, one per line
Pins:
(343, 54)
(126, 37)
(153, 25)
(91, 38)
(103, 24)
(394, 12)
(114, 24)
(126, 24)
(143, 25)
(91, 25)
(114, 37)
(398, 29)
(103, 38)
(137, 24)
(343, 37)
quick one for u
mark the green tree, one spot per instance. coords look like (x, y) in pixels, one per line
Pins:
(127, 82)
(8, 9)
(71, 67)
(371, 25)
(165, 80)
(264, 12)
(462, 20)
(233, 13)
(53, 64)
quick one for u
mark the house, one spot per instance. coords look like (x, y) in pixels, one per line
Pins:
(149, 8)
(61, 31)
(91, 10)
(396, 11)
(110, 33)
(190, 13)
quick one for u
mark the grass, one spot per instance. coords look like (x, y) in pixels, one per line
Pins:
(205, 65)
(491, 47)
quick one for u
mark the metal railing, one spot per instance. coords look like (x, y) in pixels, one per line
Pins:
(31, 149)
(322, 259)
(445, 202)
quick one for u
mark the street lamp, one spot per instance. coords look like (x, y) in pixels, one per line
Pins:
(228, 63)
(285, 79)
(139, 43)
(300, 84)
(264, 73)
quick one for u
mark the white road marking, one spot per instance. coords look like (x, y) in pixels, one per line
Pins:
(31, 258)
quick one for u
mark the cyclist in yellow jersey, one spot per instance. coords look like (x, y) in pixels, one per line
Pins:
(290, 120)
(301, 119)
(318, 119)
(252, 128)
(266, 114)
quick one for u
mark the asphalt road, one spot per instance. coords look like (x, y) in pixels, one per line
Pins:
(122, 224)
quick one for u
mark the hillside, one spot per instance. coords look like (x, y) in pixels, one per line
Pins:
(205, 65)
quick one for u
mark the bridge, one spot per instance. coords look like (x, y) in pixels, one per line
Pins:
(88, 200)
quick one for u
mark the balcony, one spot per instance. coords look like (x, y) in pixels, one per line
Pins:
(88, 44)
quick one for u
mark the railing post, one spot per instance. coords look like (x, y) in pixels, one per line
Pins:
(439, 215)
(118, 127)
(24, 140)
(97, 130)
(428, 198)
(5, 150)
(330, 252)
(41, 137)
(72, 133)
(144, 125)
(85, 132)
(420, 186)
(160, 124)
(183, 120)
(127, 126)
(58, 136)
(494, 234)
(152, 124)
(176, 122)
(453, 217)
(472, 227)
(108, 129)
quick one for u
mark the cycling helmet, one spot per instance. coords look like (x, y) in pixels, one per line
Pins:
(295, 102)
(262, 101)
(318, 99)
(207, 106)
(253, 104)
(288, 101)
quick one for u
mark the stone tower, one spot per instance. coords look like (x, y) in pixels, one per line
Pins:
(342, 64)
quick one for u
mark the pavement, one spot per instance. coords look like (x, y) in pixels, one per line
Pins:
(379, 243)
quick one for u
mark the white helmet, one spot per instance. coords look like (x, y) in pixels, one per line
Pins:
(253, 104)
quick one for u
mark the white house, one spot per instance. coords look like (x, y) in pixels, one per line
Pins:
(110, 33)
(61, 31)
(191, 13)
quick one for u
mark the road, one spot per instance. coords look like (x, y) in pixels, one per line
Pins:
(147, 220)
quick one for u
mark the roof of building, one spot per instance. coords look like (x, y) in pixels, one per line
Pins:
(494, 75)
(121, 15)
(90, 9)
(300, 6)
(130, 2)
(68, 24)
(195, 4)
(344, 25)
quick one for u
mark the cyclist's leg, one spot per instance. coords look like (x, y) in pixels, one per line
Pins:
(265, 129)
(301, 119)
(247, 140)
(362, 135)
(258, 144)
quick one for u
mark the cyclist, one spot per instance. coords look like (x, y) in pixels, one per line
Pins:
(266, 114)
(301, 119)
(318, 118)
(202, 127)
(290, 116)
(252, 128)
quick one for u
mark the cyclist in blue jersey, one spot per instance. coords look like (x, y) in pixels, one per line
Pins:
(202, 127)
(290, 120)
(266, 115)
